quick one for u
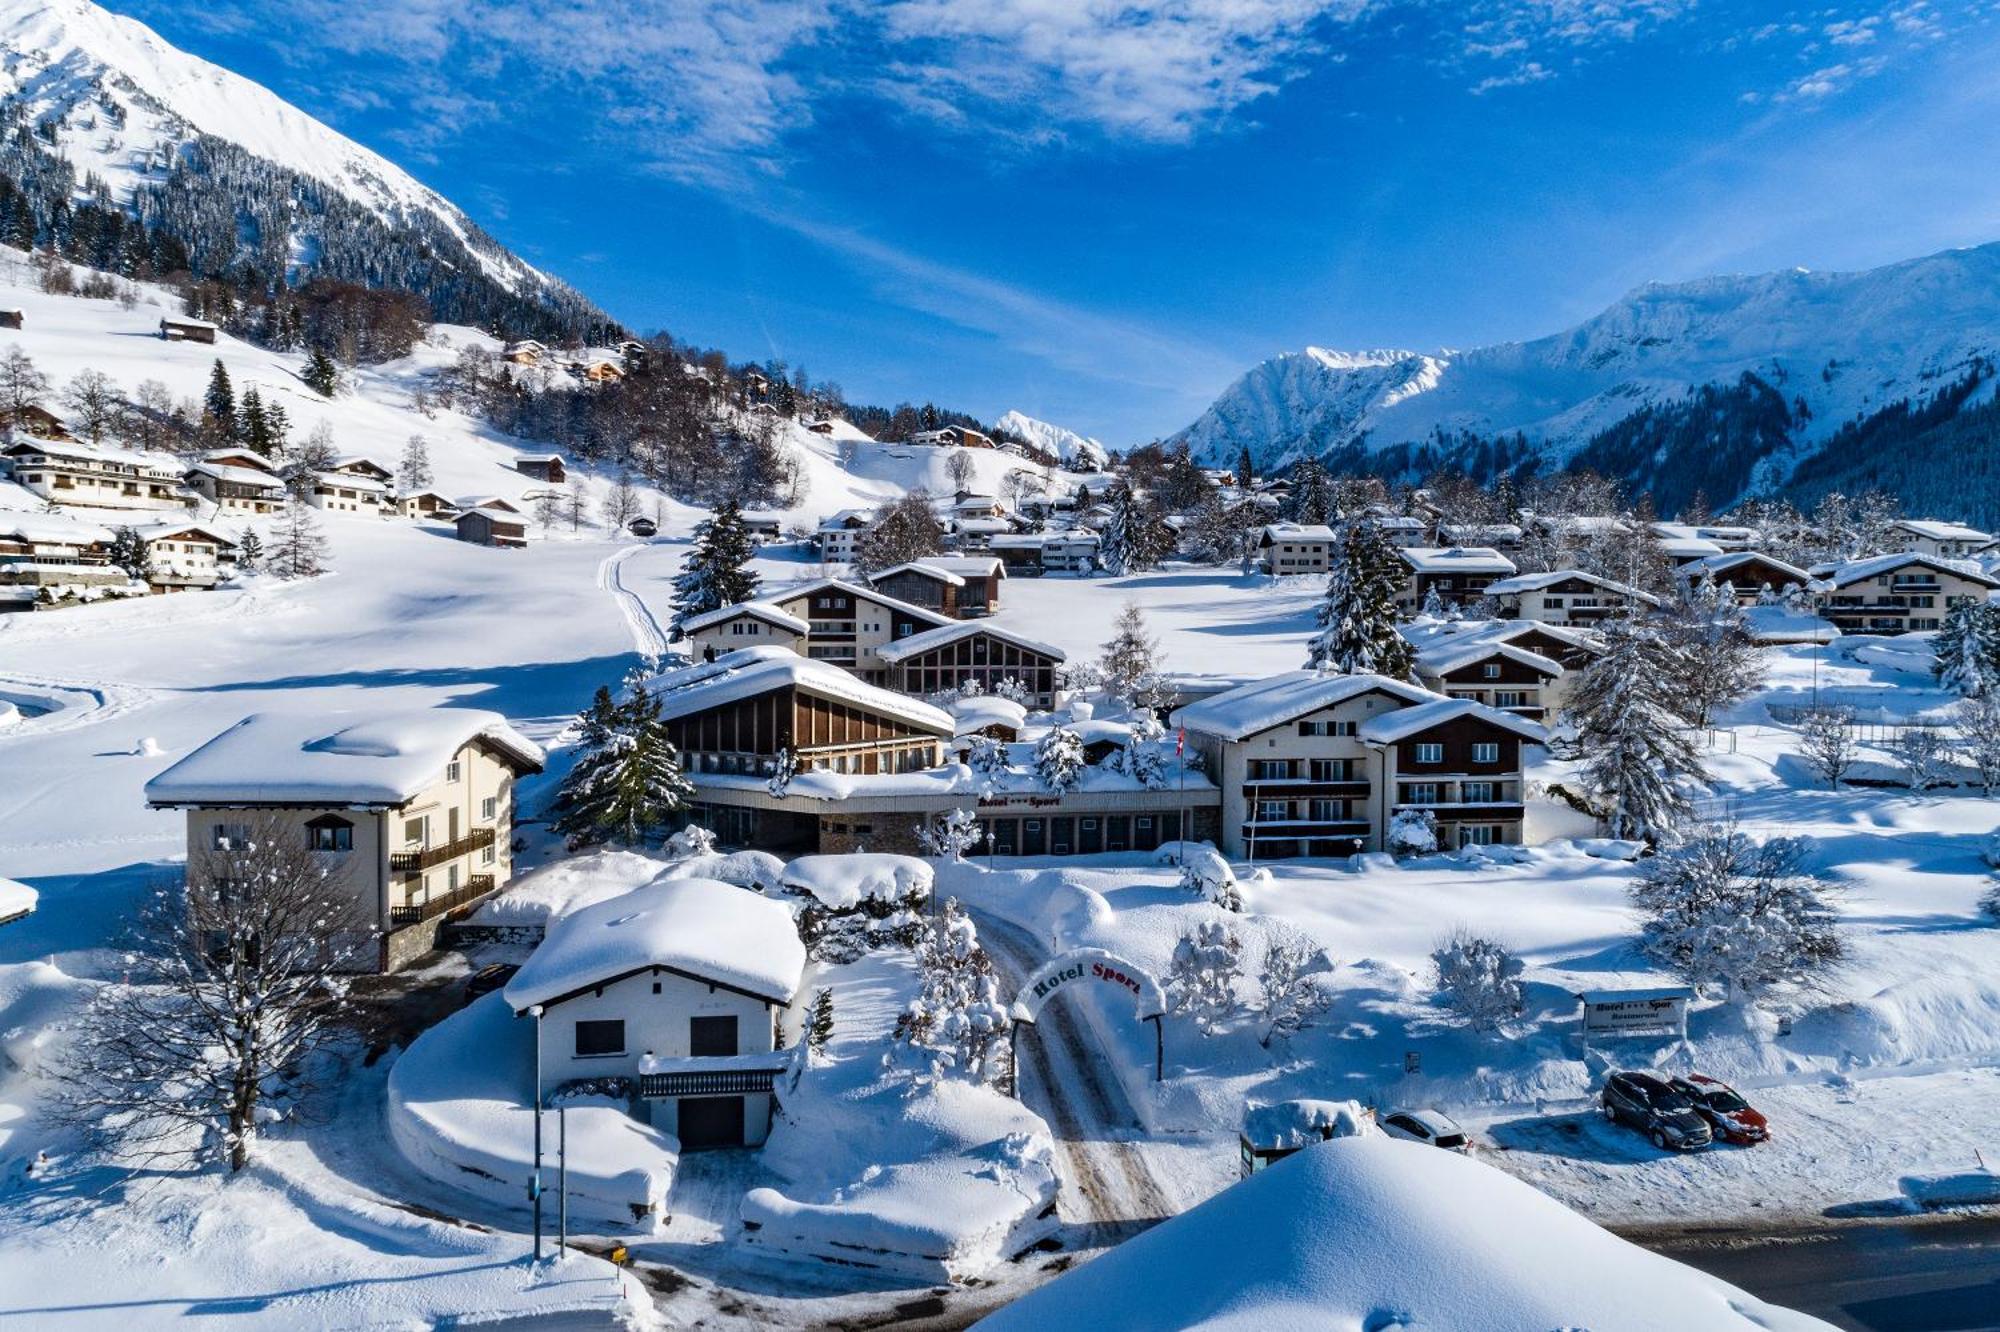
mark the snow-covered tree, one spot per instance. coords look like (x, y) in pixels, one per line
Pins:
(1013, 690)
(1924, 753)
(249, 551)
(1479, 980)
(1293, 994)
(961, 469)
(1722, 663)
(300, 547)
(950, 834)
(627, 781)
(784, 768)
(1201, 978)
(1412, 832)
(128, 552)
(1311, 498)
(218, 406)
(1721, 909)
(957, 1018)
(1979, 738)
(819, 1020)
(231, 985)
(1434, 607)
(903, 530)
(1637, 757)
(1141, 758)
(717, 570)
(22, 385)
(691, 841)
(1207, 874)
(1989, 904)
(1131, 660)
(1966, 653)
(1246, 469)
(1059, 759)
(1827, 744)
(321, 375)
(1357, 617)
(1135, 537)
(414, 471)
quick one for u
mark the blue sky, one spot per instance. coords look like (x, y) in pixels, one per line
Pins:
(1101, 211)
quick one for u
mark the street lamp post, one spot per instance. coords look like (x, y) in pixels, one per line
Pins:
(535, 1183)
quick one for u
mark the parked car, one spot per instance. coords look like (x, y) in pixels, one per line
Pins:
(1652, 1106)
(1729, 1116)
(488, 979)
(1433, 1128)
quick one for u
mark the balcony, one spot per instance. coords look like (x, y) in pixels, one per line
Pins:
(475, 887)
(1303, 788)
(415, 862)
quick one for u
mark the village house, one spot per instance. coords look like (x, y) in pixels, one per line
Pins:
(1677, 538)
(413, 809)
(184, 329)
(482, 526)
(1402, 529)
(239, 481)
(849, 622)
(1567, 597)
(1893, 594)
(598, 371)
(763, 526)
(1072, 552)
(1313, 764)
(1501, 675)
(1947, 541)
(1503, 537)
(1458, 574)
(185, 556)
(524, 352)
(1750, 573)
(39, 422)
(56, 552)
(745, 624)
(964, 587)
(678, 989)
(1020, 552)
(977, 534)
(969, 504)
(836, 535)
(424, 504)
(542, 467)
(1289, 548)
(88, 476)
(949, 658)
(12, 318)
(349, 490)
(964, 437)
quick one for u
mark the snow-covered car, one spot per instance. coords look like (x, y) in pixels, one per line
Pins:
(1652, 1106)
(1729, 1116)
(1433, 1128)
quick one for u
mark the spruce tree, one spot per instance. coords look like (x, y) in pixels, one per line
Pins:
(627, 783)
(414, 471)
(301, 548)
(249, 551)
(1637, 755)
(1967, 651)
(1134, 537)
(1357, 618)
(819, 1020)
(128, 552)
(253, 426)
(219, 404)
(716, 572)
(1131, 659)
(1246, 474)
(321, 375)
(1311, 499)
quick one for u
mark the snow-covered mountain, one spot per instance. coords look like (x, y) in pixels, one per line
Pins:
(1077, 451)
(1831, 347)
(156, 126)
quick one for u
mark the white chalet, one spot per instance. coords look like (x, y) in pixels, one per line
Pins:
(1947, 541)
(237, 481)
(1567, 597)
(1293, 548)
(87, 476)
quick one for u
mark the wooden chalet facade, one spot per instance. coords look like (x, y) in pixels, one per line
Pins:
(485, 527)
(949, 658)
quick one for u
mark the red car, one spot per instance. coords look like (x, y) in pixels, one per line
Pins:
(1726, 1112)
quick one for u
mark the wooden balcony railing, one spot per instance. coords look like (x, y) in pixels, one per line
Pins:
(475, 887)
(413, 862)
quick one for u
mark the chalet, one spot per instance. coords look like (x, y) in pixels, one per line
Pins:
(1750, 573)
(1019, 552)
(1402, 529)
(958, 654)
(1458, 574)
(413, 810)
(952, 436)
(836, 535)
(1725, 537)
(966, 504)
(1947, 541)
(37, 421)
(763, 526)
(820, 427)
(491, 503)
(1567, 597)
(1315, 764)
(1292, 548)
(184, 556)
(56, 552)
(1454, 642)
(87, 476)
(1501, 675)
(643, 526)
(1503, 537)
(1073, 552)
(987, 715)
(961, 587)
(1684, 550)
(746, 624)
(1892, 594)
(188, 330)
(487, 527)
(525, 352)
(849, 623)
(981, 577)
(978, 533)
(360, 464)
(599, 371)
(424, 504)
(12, 318)
(349, 490)
(237, 481)
(542, 467)
(679, 988)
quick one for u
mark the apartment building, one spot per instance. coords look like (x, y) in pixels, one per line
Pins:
(1894, 594)
(65, 472)
(847, 623)
(1567, 597)
(1294, 548)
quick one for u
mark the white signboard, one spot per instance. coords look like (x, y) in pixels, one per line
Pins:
(1630, 1012)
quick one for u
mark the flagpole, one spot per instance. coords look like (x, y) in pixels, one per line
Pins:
(1180, 756)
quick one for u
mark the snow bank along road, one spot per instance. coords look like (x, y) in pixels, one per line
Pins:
(1110, 1190)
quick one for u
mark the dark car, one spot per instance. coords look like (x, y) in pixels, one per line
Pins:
(1652, 1106)
(488, 979)
(1729, 1116)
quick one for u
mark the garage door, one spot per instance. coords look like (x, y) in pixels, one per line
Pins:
(711, 1121)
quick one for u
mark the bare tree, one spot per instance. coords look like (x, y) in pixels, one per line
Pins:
(93, 403)
(621, 504)
(961, 469)
(1827, 745)
(1924, 754)
(21, 385)
(1979, 738)
(300, 549)
(235, 982)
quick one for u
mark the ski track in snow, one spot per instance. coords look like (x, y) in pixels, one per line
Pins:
(1066, 1077)
(647, 637)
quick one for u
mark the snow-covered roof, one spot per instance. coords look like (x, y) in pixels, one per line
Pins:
(1301, 1122)
(748, 672)
(162, 528)
(1855, 571)
(160, 464)
(703, 927)
(240, 476)
(1020, 541)
(250, 456)
(1535, 582)
(1277, 699)
(1473, 534)
(351, 480)
(944, 576)
(979, 711)
(1933, 530)
(1718, 567)
(16, 899)
(966, 566)
(499, 502)
(348, 461)
(839, 519)
(846, 880)
(1429, 635)
(755, 609)
(52, 529)
(952, 633)
(188, 321)
(1445, 657)
(1389, 727)
(1688, 548)
(861, 590)
(334, 758)
(1456, 559)
(1299, 532)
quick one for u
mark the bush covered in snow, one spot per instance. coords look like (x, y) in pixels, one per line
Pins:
(1059, 759)
(1293, 993)
(950, 834)
(1205, 872)
(1479, 980)
(1201, 978)
(1989, 902)
(957, 1020)
(1413, 832)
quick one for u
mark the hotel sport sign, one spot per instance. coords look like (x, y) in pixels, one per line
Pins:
(1095, 970)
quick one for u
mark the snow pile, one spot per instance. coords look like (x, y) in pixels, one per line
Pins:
(570, 884)
(1304, 1122)
(746, 869)
(1368, 1232)
(843, 882)
(461, 1109)
(1963, 1188)
(709, 929)
(16, 900)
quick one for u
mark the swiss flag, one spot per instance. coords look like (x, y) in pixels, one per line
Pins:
(1180, 741)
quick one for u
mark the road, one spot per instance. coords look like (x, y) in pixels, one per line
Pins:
(1931, 1274)
(1110, 1191)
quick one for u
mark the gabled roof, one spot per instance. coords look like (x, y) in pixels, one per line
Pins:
(238, 476)
(52, 528)
(351, 461)
(945, 576)
(499, 502)
(165, 528)
(755, 609)
(966, 566)
(1258, 706)
(1855, 571)
(250, 457)
(861, 590)
(953, 632)
(1719, 566)
(1299, 532)
(1535, 582)
(1456, 559)
(161, 464)
(748, 672)
(352, 480)
(1932, 530)
(334, 758)
(704, 928)
(1446, 657)
(1390, 727)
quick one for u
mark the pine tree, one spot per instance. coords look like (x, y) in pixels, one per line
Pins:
(301, 548)
(1131, 660)
(1967, 650)
(1059, 759)
(716, 572)
(819, 1020)
(218, 413)
(1246, 473)
(414, 471)
(628, 783)
(1311, 500)
(1134, 537)
(321, 375)
(253, 425)
(957, 1018)
(1357, 618)
(1630, 734)
(249, 551)
(128, 552)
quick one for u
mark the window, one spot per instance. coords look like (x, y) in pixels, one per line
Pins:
(489, 808)
(600, 1036)
(1510, 698)
(1329, 770)
(1430, 753)
(1273, 811)
(1491, 670)
(712, 1036)
(489, 854)
(1270, 770)
(1420, 793)
(228, 836)
(1486, 752)
(330, 834)
(417, 829)
(1326, 728)
(1476, 834)
(1476, 793)
(453, 771)
(1325, 811)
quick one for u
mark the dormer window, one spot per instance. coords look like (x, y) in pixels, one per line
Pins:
(330, 832)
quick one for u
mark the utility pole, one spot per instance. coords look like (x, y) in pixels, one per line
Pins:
(562, 1180)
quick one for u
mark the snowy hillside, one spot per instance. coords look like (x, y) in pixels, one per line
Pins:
(1843, 344)
(1076, 450)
